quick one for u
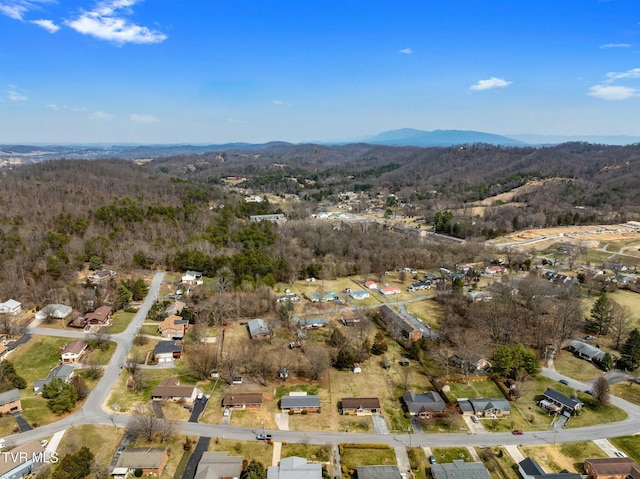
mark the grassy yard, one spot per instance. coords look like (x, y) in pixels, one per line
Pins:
(85, 435)
(570, 456)
(350, 458)
(150, 329)
(7, 425)
(35, 359)
(312, 452)
(429, 311)
(101, 357)
(498, 462)
(448, 454)
(475, 390)
(419, 462)
(120, 321)
(627, 391)
(569, 365)
(629, 445)
(261, 451)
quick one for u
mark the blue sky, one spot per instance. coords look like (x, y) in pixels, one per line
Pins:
(214, 71)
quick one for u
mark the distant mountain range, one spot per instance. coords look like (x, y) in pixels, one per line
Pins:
(401, 137)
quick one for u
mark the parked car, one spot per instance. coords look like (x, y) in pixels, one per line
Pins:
(226, 412)
(432, 459)
(589, 338)
(199, 396)
(564, 381)
(620, 454)
(120, 450)
(589, 392)
(475, 419)
(517, 432)
(44, 443)
(237, 380)
(263, 437)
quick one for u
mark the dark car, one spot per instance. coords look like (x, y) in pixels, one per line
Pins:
(564, 381)
(432, 459)
(517, 432)
(589, 392)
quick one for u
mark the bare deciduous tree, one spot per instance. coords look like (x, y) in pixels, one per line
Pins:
(319, 361)
(143, 422)
(600, 391)
(203, 360)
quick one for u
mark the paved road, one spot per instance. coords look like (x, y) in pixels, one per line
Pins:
(92, 412)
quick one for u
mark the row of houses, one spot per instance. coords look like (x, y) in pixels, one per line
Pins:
(303, 403)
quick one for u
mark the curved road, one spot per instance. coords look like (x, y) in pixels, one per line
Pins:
(92, 411)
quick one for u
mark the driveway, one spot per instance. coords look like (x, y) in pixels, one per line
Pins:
(282, 421)
(22, 422)
(198, 407)
(379, 424)
(194, 459)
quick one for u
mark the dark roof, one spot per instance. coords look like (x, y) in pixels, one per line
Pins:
(459, 469)
(378, 472)
(614, 466)
(312, 322)
(357, 403)
(430, 401)
(564, 474)
(288, 402)
(167, 347)
(531, 467)
(9, 396)
(562, 399)
(170, 387)
(482, 404)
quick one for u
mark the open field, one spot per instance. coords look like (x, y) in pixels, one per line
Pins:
(429, 311)
(85, 435)
(35, 359)
(570, 455)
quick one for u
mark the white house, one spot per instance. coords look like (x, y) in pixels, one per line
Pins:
(11, 306)
(192, 277)
(73, 351)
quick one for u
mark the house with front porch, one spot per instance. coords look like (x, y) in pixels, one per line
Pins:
(242, 400)
(360, 406)
(488, 408)
(555, 402)
(426, 405)
(297, 403)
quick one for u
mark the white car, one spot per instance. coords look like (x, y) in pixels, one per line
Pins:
(199, 396)
(44, 443)
(226, 413)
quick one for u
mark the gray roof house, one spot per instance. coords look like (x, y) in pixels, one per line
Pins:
(10, 401)
(424, 405)
(298, 404)
(64, 372)
(219, 465)
(459, 469)
(312, 323)
(586, 351)
(529, 468)
(258, 329)
(56, 311)
(378, 472)
(295, 468)
(492, 407)
(167, 351)
(556, 402)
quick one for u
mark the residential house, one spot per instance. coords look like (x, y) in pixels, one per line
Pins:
(556, 402)
(464, 267)
(10, 401)
(295, 468)
(390, 290)
(293, 297)
(170, 389)
(360, 406)
(480, 407)
(299, 403)
(173, 327)
(99, 317)
(11, 306)
(586, 351)
(425, 405)
(359, 294)
(530, 469)
(54, 311)
(460, 470)
(73, 351)
(370, 284)
(23, 460)
(63, 371)
(258, 329)
(477, 296)
(242, 400)
(612, 468)
(192, 277)
(151, 460)
(349, 318)
(378, 472)
(493, 270)
(167, 351)
(175, 308)
(398, 325)
(274, 218)
(312, 323)
(318, 297)
(100, 275)
(219, 465)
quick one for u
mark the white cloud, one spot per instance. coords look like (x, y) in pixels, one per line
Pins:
(633, 73)
(106, 22)
(613, 92)
(490, 83)
(14, 95)
(406, 51)
(48, 25)
(100, 115)
(615, 45)
(144, 118)
(16, 9)
(53, 106)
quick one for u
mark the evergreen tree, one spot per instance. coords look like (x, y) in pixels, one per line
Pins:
(255, 470)
(601, 316)
(631, 351)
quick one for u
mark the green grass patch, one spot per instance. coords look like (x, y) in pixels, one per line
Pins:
(182, 465)
(569, 365)
(578, 451)
(150, 329)
(445, 455)
(628, 444)
(310, 389)
(418, 461)
(102, 357)
(7, 425)
(475, 390)
(312, 452)
(498, 462)
(35, 359)
(627, 391)
(35, 410)
(86, 434)
(261, 451)
(120, 321)
(351, 458)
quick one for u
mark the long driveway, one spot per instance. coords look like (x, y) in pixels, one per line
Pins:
(92, 412)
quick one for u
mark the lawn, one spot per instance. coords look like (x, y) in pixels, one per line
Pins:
(555, 457)
(475, 390)
(628, 444)
(101, 357)
(7, 425)
(352, 457)
(569, 365)
(35, 359)
(498, 462)
(120, 321)
(627, 391)
(261, 451)
(150, 329)
(85, 435)
(419, 462)
(312, 452)
(429, 311)
(449, 454)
